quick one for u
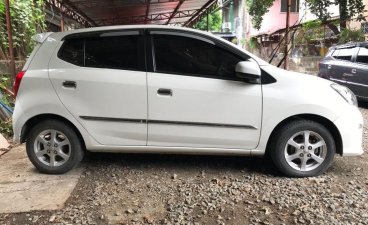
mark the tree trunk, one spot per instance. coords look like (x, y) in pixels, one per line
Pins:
(334, 28)
(343, 13)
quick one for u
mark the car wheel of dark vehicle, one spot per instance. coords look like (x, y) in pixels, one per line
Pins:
(303, 148)
(53, 147)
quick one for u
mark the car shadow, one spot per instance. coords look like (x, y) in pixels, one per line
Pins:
(171, 162)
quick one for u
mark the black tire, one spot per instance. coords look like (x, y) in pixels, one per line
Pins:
(280, 147)
(74, 148)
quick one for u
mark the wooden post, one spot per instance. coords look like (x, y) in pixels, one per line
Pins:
(10, 39)
(287, 34)
(62, 23)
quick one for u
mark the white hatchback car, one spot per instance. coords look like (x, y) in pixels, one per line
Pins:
(160, 89)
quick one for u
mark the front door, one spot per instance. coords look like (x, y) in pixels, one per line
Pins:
(101, 80)
(195, 99)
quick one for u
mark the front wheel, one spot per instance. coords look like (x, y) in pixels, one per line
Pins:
(53, 147)
(302, 149)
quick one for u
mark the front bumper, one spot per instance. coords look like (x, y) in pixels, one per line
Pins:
(350, 126)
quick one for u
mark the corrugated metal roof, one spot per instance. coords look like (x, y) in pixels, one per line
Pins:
(120, 12)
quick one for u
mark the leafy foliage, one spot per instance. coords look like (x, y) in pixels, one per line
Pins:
(6, 125)
(252, 43)
(214, 22)
(28, 18)
(348, 9)
(348, 35)
(5, 82)
(257, 9)
(6, 128)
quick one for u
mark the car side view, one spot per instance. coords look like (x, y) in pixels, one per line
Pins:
(348, 65)
(160, 89)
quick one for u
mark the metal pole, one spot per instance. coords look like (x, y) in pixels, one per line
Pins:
(287, 35)
(10, 39)
(208, 23)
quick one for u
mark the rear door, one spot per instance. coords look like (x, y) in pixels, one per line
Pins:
(101, 80)
(195, 99)
(358, 79)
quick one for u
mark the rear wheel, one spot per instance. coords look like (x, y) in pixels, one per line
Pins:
(53, 147)
(303, 148)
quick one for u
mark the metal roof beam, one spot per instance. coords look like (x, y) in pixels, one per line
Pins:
(175, 10)
(147, 11)
(98, 3)
(70, 11)
(149, 18)
(206, 8)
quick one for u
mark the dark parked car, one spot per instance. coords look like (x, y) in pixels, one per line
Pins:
(347, 65)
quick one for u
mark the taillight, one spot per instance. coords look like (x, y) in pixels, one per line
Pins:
(17, 81)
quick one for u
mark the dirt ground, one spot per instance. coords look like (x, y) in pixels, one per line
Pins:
(170, 189)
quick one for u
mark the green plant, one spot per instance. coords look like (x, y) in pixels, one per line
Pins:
(6, 128)
(257, 9)
(5, 83)
(348, 9)
(348, 35)
(214, 22)
(252, 43)
(28, 18)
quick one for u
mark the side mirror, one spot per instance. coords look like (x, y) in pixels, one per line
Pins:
(249, 71)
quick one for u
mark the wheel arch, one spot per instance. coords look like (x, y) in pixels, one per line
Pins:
(312, 117)
(41, 117)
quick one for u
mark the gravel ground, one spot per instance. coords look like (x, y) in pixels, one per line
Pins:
(167, 189)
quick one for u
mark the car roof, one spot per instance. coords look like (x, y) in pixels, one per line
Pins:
(351, 45)
(128, 27)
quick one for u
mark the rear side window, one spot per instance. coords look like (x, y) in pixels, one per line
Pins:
(193, 57)
(344, 54)
(362, 56)
(72, 51)
(112, 52)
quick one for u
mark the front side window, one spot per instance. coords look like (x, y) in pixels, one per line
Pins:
(362, 56)
(193, 57)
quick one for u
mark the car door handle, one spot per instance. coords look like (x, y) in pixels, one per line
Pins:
(329, 67)
(69, 84)
(164, 91)
(353, 71)
(347, 75)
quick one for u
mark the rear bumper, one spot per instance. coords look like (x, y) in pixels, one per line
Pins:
(18, 123)
(350, 125)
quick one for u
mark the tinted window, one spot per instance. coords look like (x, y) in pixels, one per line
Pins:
(116, 52)
(72, 51)
(345, 54)
(362, 56)
(190, 56)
